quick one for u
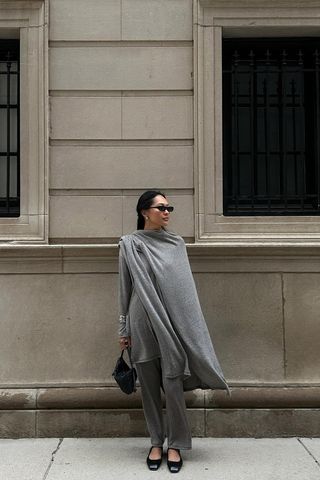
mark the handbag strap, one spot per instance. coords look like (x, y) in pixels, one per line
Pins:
(128, 349)
(134, 376)
(129, 355)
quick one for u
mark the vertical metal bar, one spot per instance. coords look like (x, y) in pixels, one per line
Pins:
(8, 134)
(266, 128)
(294, 134)
(302, 111)
(253, 123)
(317, 132)
(235, 165)
(282, 130)
(18, 132)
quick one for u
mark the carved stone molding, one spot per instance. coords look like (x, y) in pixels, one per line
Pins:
(204, 258)
(29, 20)
(214, 20)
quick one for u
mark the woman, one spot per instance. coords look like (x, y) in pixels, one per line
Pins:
(162, 322)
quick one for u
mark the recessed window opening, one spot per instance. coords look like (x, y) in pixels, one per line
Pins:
(271, 126)
(9, 129)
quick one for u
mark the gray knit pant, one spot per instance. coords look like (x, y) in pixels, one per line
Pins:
(178, 431)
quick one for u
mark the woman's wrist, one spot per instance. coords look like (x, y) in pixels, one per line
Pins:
(124, 342)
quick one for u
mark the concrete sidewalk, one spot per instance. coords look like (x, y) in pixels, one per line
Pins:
(116, 458)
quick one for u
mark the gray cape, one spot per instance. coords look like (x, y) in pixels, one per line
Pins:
(173, 307)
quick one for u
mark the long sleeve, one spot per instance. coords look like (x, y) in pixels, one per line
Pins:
(125, 290)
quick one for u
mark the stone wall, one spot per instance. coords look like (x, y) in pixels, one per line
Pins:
(59, 342)
(121, 97)
(121, 120)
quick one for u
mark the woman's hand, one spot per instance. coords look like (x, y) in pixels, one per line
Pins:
(124, 342)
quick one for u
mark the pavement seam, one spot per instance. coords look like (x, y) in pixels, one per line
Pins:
(46, 473)
(309, 452)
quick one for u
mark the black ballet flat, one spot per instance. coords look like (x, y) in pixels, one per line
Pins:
(154, 464)
(174, 467)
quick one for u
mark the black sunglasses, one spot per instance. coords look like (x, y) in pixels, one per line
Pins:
(163, 208)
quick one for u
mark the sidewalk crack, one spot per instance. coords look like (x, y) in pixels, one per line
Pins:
(307, 449)
(46, 473)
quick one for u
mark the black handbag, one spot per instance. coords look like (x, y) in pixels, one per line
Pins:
(124, 375)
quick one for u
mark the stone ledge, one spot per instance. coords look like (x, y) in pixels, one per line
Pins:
(17, 424)
(265, 397)
(17, 398)
(258, 423)
(103, 423)
(111, 397)
(203, 258)
(94, 398)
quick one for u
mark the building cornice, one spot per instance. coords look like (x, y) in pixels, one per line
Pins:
(64, 259)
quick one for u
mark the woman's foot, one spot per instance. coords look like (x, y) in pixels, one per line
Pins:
(174, 460)
(154, 458)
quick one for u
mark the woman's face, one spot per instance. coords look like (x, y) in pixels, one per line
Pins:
(156, 218)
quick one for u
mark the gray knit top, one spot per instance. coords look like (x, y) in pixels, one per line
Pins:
(160, 309)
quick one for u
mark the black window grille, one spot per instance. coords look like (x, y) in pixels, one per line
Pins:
(271, 126)
(9, 129)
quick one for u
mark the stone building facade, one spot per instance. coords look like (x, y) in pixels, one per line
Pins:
(116, 97)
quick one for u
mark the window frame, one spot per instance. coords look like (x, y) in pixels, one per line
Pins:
(28, 22)
(215, 19)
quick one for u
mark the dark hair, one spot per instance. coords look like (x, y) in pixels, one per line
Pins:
(145, 202)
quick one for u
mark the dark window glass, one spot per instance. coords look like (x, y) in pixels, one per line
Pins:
(9, 129)
(271, 126)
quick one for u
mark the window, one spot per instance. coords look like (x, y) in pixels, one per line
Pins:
(271, 111)
(9, 129)
(273, 197)
(24, 122)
